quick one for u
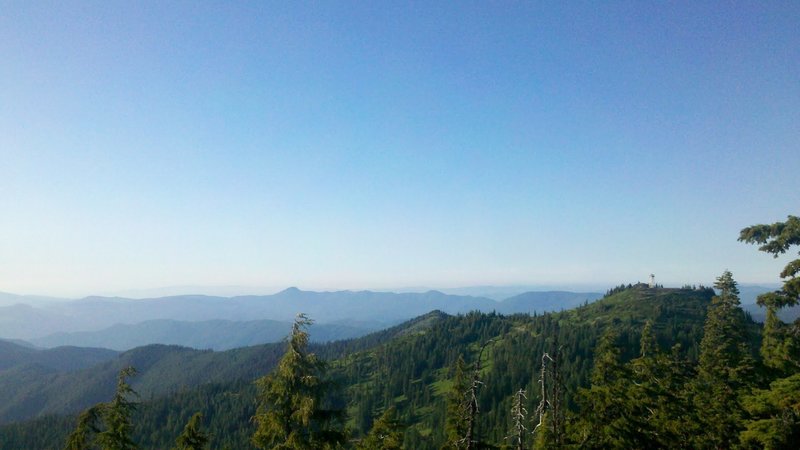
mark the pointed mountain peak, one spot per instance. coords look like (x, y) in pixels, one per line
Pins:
(289, 291)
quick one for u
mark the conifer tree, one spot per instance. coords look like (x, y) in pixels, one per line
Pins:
(290, 413)
(781, 345)
(192, 437)
(725, 370)
(778, 348)
(775, 411)
(117, 416)
(386, 433)
(647, 344)
(724, 351)
(107, 423)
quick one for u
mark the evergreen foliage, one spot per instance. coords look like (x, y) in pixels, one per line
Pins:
(386, 434)
(776, 416)
(607, 419)
(81, 437)
(725, 371)
(659, 391)
(774, 411)
(117, 416)
(192, 437)
(290, 413)
(776, 345)
(543, 438)
(109, 424)
(777, 239)
(456, 422)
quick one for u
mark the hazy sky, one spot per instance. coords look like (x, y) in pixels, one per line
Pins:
(382, 144)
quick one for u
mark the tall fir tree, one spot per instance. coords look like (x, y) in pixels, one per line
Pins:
(291, 413)
(117, 415)
(724, 349)
(726, 368)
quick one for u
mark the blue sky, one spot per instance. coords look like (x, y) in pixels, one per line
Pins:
(389, 144)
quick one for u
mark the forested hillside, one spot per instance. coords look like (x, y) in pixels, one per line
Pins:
(61, 359)
(31, 390)
(415, 375)
(408, 367)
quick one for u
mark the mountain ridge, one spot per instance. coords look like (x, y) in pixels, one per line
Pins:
(379, 309)
(210, 334)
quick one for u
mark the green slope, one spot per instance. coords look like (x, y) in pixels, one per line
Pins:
(413, 374)
(59, 359)
(28, 391)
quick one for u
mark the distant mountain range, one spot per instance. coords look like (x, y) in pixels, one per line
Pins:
(749, 295)
(759, 314)
(353, 312)
(530, 302)
(209, 334)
